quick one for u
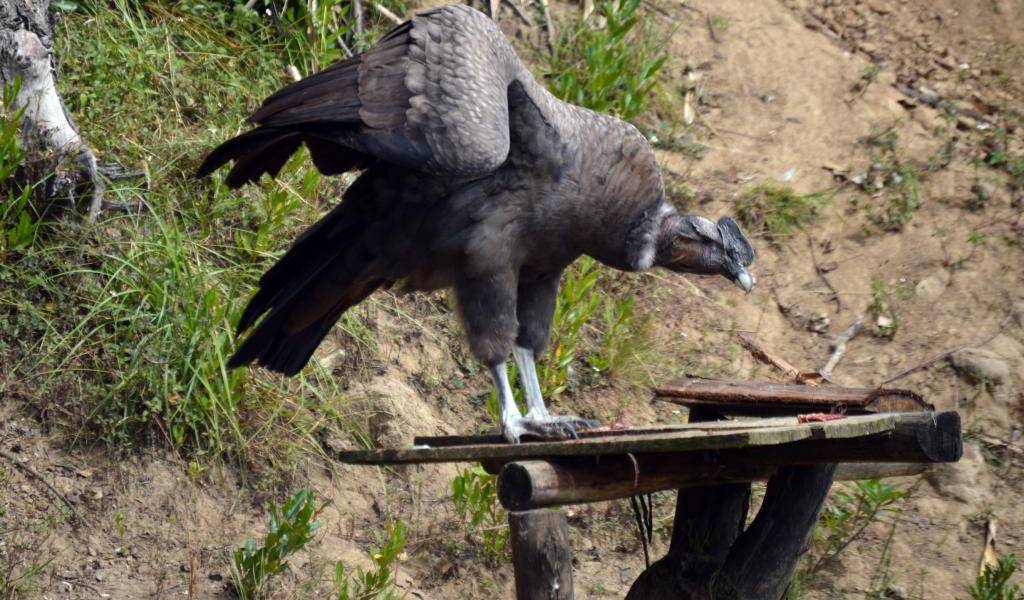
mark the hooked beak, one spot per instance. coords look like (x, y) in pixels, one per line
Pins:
(745, 279)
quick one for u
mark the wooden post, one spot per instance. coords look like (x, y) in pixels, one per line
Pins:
(541, 555)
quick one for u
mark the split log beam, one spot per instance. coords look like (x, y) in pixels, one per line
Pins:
(541, 555)
(765, 398)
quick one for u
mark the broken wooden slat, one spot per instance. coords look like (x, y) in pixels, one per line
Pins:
(769, 435)
(534, 484)
(766, 398)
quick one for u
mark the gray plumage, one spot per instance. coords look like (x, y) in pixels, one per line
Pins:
(474, 177)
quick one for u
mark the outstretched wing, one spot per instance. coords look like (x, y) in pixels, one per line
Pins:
(432, 95)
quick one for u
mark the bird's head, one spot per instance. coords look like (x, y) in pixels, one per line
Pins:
(694, 244)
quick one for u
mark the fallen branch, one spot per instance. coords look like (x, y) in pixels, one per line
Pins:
(37, 476)
(761, 353)
(387, 14)
(357, 9)
(839, 347)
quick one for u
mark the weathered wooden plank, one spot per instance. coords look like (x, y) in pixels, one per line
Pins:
(766, 398)
(702, 436)
(532, 484)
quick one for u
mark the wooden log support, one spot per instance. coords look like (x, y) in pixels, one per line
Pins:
(541, 555)
(536, 484)
(763, 398)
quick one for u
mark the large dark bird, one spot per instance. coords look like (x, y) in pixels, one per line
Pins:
(475, 178)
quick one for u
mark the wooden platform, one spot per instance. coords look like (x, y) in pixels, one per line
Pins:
(936, 436)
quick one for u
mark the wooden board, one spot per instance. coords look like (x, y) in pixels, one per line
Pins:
(758, 398)
(683, 438)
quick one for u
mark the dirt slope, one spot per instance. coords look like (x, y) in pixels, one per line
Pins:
(775, 102)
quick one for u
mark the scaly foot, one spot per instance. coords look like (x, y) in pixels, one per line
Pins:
(547, 427)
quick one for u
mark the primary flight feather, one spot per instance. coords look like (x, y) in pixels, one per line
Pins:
(474, 177)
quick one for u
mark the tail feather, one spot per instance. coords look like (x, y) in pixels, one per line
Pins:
(274, 346)
(267, 149)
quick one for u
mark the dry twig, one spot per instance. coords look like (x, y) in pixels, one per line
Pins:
(839, 347)
(27, 469)
(387, 14)
(931, 361)
(821, 275)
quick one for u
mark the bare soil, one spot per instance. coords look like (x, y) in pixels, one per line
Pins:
(776, 100)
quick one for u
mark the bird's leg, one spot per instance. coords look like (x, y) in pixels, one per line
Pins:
(538, 420)
(531, 386)
(511, 418)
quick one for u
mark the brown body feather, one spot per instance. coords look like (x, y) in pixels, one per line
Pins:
(476, 179)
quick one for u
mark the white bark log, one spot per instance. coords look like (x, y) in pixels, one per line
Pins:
(25, 52)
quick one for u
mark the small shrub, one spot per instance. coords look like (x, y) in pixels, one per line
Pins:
(475, 496)
(777, 212)
(576, 303)
(848, 515)
(994, 582)
(609, 69)
(288, 532)
(379, 582)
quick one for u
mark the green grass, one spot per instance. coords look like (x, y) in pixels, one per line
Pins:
(614, 68)
(776, 212)
(119, 334)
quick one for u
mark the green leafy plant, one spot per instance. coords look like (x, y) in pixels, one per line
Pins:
(847, 516)
(379, 582)
(18, 222)
(994, 582)
(613, 68)
(289, 531)
(776, 212)
(475, 496)
(576, 303)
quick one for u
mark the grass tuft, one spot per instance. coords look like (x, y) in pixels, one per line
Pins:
(776, 212)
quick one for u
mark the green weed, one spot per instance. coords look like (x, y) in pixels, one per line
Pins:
(847, 516)
(475, 496)
(777, 212)
(994, 582)
(881, 311)
(626, 342)
(120, 333)
(609, 69)
(894, 185)
(377, 583)
(289, 530)
(576, 303)
(19, 224)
